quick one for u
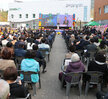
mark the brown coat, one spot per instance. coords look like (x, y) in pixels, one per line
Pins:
(6, 63)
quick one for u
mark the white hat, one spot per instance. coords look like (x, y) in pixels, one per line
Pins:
(75, 57)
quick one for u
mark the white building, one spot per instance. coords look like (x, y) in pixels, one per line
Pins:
(28, 12)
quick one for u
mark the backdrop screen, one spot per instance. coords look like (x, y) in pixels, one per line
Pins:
(64, 20)
(49, 20)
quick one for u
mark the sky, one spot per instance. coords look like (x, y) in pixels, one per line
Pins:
(4, 3)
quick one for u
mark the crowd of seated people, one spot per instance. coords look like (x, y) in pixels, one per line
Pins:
(25, 44)
(87, 41)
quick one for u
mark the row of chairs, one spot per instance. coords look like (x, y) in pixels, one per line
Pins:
(95, 79)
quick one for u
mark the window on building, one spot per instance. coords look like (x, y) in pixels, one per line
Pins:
(34, 15)
(85, 13)
(12, 16)
(20, 15)
(106, 9)
(100, 11)
(26, 15)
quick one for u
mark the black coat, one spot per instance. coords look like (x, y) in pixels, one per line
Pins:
(17, 91)
(93, 66)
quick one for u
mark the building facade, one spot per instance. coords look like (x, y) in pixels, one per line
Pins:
(101, 11)
(25, 12)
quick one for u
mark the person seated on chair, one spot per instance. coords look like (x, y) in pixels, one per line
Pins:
(4, 89)
(43, 45)
(6, 60)
(91, 47)
(30, 64)
(9, 46)
(20, 52)
(74, 66)
(20, 41)
(103, 47)
(16, 88)
(99, 64)
(40, 56)
(72, 50)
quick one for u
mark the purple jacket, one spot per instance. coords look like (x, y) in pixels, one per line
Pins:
(74, 67)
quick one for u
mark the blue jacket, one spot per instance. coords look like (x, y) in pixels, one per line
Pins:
(20, 52)
(30, 65)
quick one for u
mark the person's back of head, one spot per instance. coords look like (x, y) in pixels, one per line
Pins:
(20, 45)
(92, 40)
(72, 48)
(100, 57)
(10, 74)
(4, 89)
(30, 54)
(43, 40)
(96, 40)
(35, 47)
(6, 54)
(9, 44)
(87, 38)
(75, 57)
(102, 44)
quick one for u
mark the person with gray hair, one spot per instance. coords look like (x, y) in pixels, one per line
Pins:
(75, 65)
(4, 89)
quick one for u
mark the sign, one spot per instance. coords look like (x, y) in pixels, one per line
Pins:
(14, 9)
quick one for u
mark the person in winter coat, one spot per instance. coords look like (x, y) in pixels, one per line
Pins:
(74, 66)
(30, 64)
(99, 64)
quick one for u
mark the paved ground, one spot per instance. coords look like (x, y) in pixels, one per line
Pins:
(50, 83)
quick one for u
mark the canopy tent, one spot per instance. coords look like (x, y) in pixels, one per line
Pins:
(92, 23)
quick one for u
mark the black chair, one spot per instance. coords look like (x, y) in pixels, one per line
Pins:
(27, 79)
